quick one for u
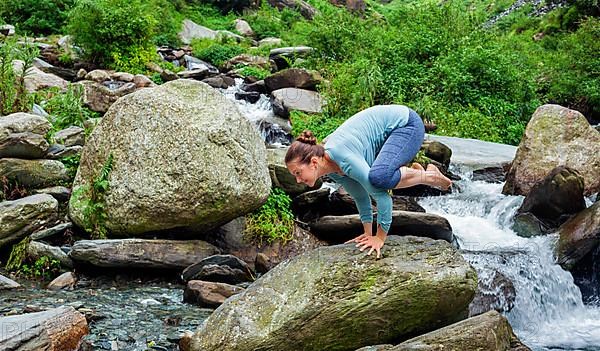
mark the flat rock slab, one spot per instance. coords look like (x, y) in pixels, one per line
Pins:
(24, 216)
(34, 173)
(139, 253)
(476, 153)
(7, 283)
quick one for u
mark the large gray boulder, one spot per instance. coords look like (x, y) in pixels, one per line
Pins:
(22, 135)
(33, 174)
(24, 216)
(183, 156)
(555, 136)
(337, 298)
(292, 99)
(578, 236)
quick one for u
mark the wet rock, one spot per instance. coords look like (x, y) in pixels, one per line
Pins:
(98, 75)
(36, 79)
(209, 294)
(21, 217)
(139, 253)
(60, 193)
(36, 250)
(293, 78)
(289, 99)
(494, 292)
(489, 331)
(46, 233)
(310, 310)
(489, 174)
(33, 173)
(258, 86)
(252, 96)
(339, 229)
(578, 236)
(198, 73)
(282, 56)
(281, 177)
(195, 63)
(60, 328)
(122, 76)
(99, 97)
(220, 82)
(66, 280)
(438, 152)
(70, 136)
(219, 268)
(202, 144)
(249, 60)
(7, 283)
(192, 30)
(555, 136)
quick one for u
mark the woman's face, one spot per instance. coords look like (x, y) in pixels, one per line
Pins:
(304, 173)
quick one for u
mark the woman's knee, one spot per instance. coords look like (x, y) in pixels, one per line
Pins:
(384, 179)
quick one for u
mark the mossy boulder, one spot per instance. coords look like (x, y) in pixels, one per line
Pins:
(555, 136)
(183, 156)
(338, 298)
(578, 236)
(33, 174)
(22, 217)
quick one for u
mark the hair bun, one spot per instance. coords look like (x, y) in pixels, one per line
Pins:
(307, 137)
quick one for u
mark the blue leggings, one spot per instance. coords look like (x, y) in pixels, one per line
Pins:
(399, 149)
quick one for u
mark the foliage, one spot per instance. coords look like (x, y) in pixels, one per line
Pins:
(270, 22)
(36, 16)
(209, 16)
(65, 108)
(72, 164)
(273, 221)
(111, 31)
(43, 268)
(18, 255)
(216, 52)
(13, 95)
(252, 71)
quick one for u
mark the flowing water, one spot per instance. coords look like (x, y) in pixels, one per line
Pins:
(548, 313)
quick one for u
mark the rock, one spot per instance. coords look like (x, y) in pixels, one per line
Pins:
(357, 6)
(262, 263)
(33, 173)
(67, 74)
(578, 236)
(494, 292)
(99, 97)
(270, 42)
(91, 123)
(192, 63)
(288, 99)
(489, 174)
(258, 86)
(81, 74)
(60, 193)
(6, 283)
(138, 253)
(21, 122)
(23, 145)
(70, 136)
(7, 29)
(192, 30)
(281, 177)
(249, 60)
(339, 229)
(293, 78)
(220, 82)
(141, 81)
(123, 76)
(66, 280)
(555, 136)
(188, 142)
(36, 250)
(283, 56)
(250, 96)
(98, 75)
(243, 27)
(301, 6)
(476, 153)
(489, 331)
(198, 73)
(36, 79)
(57, 229)
(219, 268)
(57, 151)
(552, 201)
(304, 303)
(22, 217)
(438, 152)
(59, 328)
(275, 131)
(208, 294)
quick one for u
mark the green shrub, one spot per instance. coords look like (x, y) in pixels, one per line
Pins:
(65, 108)
(273, 221)
(251, 71)
(270, 22)
(215, 52)
(13, 95)
(36, 16)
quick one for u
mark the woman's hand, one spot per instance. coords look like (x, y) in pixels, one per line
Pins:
(360, 238)
(367, 240)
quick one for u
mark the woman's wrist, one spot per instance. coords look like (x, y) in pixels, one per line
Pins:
(368, 228)
(381, 234)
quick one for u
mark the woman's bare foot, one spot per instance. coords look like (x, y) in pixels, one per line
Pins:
(437, 179)
(417, 166)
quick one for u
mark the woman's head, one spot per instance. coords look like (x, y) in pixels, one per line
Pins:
(302, 158)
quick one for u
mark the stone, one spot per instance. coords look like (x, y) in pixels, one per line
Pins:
(283, 56)
(476, 153)
(70, 136)
(198, 73)
(220, 82)
(48, 232)
(243, 27)
(288, 99)
(258, 86)
(36, 79)
(208, 294)
(7, 283)
(36, 250)
(281, 177)
(555, 136)
(21, 122)
(122, 76)
(7, 29)
(192, 63)
(98, 75)
(33, 174)
(66, 280)
(270, 42)
(141, 81)
(193, 138)
(23, 145)
(338, 298)
(24, 216)
(219, 268)
(65, 73)
(140, 253)
(192, 30)
(58, 151)
(494, 174)
(293, 78)
(578, 236)
(494, 292)
(81, 74)
(250, 96)
(99, 97)
(339, 229)
(249, 60)
(305, 9)
(438, 152)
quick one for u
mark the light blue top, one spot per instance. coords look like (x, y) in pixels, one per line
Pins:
(354, 147)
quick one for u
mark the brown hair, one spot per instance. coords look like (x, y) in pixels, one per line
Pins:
(304, 148)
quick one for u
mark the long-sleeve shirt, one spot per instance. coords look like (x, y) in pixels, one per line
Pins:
(353, 146)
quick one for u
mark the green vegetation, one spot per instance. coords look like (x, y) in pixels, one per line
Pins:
(18, 255)
(216, 52)
(13, 95)
(251, 71)
(65, 107)
(72, 164)
(43, 268)
(36, 16)
(273, 221)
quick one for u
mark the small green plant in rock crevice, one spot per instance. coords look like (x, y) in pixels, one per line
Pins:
(273, 221)
(18, 255)
(93, 206)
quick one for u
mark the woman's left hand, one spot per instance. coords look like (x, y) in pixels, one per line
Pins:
(374, 242)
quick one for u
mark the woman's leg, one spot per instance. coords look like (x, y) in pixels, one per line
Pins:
(432, 177)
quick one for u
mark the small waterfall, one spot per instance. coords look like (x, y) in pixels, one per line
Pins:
(548, 313)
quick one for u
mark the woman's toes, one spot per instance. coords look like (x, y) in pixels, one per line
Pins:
(417, 166)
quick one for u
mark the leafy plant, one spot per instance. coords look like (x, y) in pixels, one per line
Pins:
(273, 221)
(65, 108)
(36, 16)
(216, 52)
(72, 164)
(13, 95)
(251, 71)
(43, 268)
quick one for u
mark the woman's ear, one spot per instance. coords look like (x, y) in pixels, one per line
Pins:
(314, 160)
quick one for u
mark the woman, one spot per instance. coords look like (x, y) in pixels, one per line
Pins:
(367, 155)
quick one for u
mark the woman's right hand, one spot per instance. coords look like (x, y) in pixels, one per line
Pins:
(360, 238)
